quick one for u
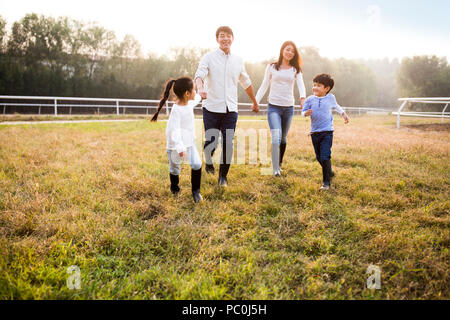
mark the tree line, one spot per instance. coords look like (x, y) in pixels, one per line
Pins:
(43, 55)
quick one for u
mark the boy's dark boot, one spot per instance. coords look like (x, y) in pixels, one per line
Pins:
(326, 172)
(282, 151)
(174, 180)
(330, 170)
(223, 171)
(196, 178)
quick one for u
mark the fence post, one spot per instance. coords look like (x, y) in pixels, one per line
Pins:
(399, 111)
(117, 107)
(443, 113)
(56, 107)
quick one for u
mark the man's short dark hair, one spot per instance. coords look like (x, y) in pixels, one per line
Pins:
(325, 79)
(225, 29)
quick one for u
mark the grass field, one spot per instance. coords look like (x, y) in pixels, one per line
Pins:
(97, 196)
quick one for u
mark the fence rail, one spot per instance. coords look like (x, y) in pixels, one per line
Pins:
(121, 105)
(57, 102)
(435, 100)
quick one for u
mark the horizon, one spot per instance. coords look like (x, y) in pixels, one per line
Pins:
(367, 30)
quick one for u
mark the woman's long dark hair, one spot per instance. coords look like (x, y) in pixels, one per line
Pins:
(180, 86)
(296, 61)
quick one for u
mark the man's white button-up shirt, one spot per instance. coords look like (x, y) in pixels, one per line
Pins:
(221, 72)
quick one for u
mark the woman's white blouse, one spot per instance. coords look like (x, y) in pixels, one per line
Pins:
(180, 130)
(281, 84)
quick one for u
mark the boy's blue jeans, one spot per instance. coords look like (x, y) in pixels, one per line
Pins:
(322, 142)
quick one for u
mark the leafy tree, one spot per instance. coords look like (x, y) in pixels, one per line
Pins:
(424, 76)
(2, 34)
(385, 72)
(97, 45)
(354, 84)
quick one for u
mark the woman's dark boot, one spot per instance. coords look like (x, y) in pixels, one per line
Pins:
(282, 151)
(196, 178)
(223, 171)
(174, 180)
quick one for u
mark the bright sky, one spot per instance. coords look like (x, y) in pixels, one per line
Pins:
(344, 28)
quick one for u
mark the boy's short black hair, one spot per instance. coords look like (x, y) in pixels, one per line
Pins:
(225, 29)
(325, 79)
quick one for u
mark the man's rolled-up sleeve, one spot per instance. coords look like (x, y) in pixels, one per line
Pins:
(244, 79)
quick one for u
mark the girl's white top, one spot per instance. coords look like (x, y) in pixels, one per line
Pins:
(180, 130)
(281, 84)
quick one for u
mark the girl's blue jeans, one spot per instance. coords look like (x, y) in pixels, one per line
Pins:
(175, 160)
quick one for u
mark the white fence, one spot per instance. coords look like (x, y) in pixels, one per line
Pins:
(120, 106)
(68, 102)
(405, 101)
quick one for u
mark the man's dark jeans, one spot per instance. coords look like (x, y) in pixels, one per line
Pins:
(215, 123)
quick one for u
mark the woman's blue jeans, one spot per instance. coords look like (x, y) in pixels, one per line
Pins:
(280, 119)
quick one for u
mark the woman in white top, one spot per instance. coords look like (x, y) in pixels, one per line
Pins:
(281, 76)
(180, 133)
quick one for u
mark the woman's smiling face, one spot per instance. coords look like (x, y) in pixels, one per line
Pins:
(288, 52)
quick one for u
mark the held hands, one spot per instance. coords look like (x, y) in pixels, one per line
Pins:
(308, 113)
(202, 93)
(302, 102)
(199, 87)
(255, 107)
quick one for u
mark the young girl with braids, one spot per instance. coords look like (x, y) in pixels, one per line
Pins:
(180, 133)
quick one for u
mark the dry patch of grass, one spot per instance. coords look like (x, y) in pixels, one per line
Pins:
(430, 126)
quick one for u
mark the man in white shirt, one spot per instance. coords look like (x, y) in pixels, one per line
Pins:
(222, 71)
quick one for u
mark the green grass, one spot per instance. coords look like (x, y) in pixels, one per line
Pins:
(96, 195)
